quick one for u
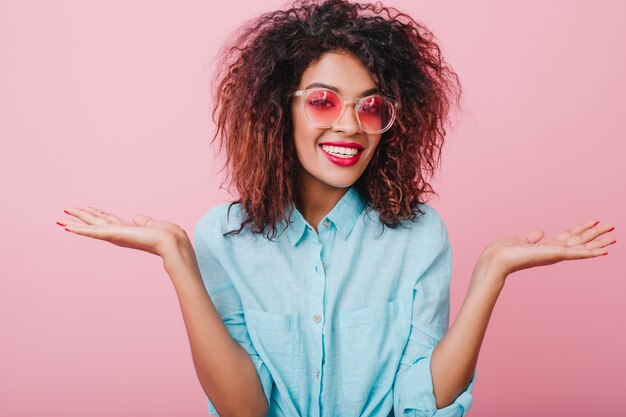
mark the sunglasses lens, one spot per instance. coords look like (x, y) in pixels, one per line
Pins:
(322, 107)
(375, 113)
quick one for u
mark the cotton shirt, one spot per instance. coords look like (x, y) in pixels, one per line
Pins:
(342, 322)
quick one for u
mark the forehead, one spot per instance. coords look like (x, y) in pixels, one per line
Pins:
(341, 70)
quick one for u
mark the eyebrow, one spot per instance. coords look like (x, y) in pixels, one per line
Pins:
(335, 89)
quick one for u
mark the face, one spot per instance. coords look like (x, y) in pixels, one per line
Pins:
(345, 74)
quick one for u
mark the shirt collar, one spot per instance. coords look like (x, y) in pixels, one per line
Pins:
(344, 216)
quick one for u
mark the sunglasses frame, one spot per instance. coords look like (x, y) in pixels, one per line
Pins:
(357, 101)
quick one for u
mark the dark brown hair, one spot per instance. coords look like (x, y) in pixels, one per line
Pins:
(263, 64)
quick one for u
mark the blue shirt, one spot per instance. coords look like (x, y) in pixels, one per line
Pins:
(338, 323)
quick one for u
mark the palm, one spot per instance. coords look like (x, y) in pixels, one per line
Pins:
(143, 233)
(527, 251)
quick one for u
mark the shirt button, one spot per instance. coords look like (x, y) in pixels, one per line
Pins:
(317, 318)
(326, 223)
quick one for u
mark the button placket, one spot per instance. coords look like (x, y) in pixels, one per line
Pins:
(318, 318)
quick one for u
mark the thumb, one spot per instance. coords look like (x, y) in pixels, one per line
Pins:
(534, 236)
(141, 220)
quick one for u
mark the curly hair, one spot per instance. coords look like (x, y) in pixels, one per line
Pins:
(263, 64)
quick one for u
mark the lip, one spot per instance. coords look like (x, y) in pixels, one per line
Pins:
(343, 144)
(337, 160)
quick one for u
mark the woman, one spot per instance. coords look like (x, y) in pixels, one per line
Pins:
(324, 290)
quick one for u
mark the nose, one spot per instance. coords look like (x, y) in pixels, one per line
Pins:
(347, 122)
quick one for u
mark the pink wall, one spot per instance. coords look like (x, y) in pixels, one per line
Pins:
(106, 104)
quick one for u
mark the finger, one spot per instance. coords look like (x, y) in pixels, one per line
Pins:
(110, 233)
(65, 222)
(576, 230)
(588, 235)
(87, 216)
(108, 216)
(85, 230)
(600, 243)
(534, 236)
(570, 253)
(142, 220)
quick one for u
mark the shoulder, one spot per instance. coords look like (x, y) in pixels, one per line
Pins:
(218, 218)
(433, 259)
(428, 225)
(433, 221)
(430, 234)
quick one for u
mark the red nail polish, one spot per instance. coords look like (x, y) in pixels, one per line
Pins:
(67, 229)
(612, 228)
(66, 211)
(596, 223)
(60, 224)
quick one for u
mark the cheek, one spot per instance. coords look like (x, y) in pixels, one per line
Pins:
(303, 133)
(297, 125)
(373, 141)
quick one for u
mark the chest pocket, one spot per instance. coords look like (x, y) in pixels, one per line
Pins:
(276, 339)
(371, 341)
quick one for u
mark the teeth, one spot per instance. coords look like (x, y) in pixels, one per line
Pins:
(340, 150)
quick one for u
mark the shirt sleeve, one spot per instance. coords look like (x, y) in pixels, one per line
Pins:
(413, 386)
(226, 299)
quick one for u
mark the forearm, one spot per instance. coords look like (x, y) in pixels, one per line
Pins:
(454, 358)
(224, 368)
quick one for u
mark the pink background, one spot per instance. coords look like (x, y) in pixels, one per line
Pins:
(107, 104)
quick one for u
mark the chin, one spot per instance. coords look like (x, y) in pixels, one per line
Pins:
(337, 183)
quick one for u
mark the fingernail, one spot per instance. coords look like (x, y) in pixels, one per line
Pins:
(66, 211)
(612, 228)
(67, 229)
(60, 224)
(596, 223)
(604, 254)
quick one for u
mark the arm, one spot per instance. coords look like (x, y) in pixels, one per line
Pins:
(417, 379)
(455, 356)
(454, 359)
(222, 355)
(225, 370)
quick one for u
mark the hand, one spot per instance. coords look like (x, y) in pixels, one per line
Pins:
(143, 233)
(527, 251)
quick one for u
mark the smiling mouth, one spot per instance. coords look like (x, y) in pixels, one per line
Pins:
(339, 159)
(340, 154)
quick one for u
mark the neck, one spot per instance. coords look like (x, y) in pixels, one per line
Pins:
(315, 199)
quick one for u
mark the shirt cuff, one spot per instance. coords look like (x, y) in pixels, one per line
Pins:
(264, 375)
(420, 400)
